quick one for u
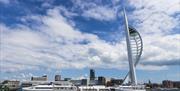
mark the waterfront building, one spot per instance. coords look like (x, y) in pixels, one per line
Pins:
(170, 84)
(167, 84)
(67, 79)
(11, 85)
(43, 78)
(93, 82)
(101, 80)
(57, 77)
(116, 81)
(84, 82)
(176, 84)
(76, 82)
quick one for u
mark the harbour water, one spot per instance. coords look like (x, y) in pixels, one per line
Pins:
(163, 89)
(150, 89)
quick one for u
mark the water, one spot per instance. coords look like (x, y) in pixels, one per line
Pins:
(163, 89)
(150, 89)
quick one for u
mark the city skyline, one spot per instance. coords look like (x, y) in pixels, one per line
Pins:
(71, 37)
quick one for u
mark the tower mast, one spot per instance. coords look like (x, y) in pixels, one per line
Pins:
(129, 51)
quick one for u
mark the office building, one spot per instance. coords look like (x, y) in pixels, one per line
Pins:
(92, 74)
(101, 80)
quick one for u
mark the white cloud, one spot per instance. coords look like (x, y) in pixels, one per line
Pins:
(96, 10)
(5, 1)
(152, 67)
(167, 6)
(155, 16)
(100, 13)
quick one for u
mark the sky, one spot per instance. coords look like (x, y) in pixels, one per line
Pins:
(68, 37)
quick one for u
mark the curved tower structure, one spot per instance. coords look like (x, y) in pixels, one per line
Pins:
(136, 45)
(134, 50)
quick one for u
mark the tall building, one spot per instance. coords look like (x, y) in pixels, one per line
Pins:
(57, 77)
(101, 80)
(92, 74)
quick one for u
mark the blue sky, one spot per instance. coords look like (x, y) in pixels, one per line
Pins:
(68, 37)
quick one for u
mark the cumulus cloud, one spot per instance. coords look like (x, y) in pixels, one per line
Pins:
(97, 10)
(100, 13)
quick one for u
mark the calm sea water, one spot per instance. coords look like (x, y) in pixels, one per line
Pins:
(163, 90)
(155, 90)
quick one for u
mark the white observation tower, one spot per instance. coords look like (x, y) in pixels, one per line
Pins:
(134, 49)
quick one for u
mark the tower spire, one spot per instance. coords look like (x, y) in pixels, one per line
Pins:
(129, 51)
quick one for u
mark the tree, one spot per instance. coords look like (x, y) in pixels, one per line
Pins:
(6, 88)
